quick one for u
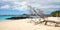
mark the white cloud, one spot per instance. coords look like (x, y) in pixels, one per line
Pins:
(22, 4)
(5, 7)
(45, 6)
(16, 6)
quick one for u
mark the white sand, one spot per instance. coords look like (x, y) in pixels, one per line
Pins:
(23, 25)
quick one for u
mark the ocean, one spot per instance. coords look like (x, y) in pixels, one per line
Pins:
(3, 17)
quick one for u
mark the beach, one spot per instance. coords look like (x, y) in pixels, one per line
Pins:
(23, 24)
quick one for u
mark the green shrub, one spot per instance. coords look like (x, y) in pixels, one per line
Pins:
(55, 13)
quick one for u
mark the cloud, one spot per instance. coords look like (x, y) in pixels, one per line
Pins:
(5, 7)
(15, 5)
(22, 4)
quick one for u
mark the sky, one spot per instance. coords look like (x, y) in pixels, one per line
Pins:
(17, 7)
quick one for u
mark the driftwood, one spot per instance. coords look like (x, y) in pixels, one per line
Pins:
(46, 21)
(38, 12)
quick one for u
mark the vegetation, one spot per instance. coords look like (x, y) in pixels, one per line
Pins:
(55, 13)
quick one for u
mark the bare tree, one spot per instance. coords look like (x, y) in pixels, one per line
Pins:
(36, 11)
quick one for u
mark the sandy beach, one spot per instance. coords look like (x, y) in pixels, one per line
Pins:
(22, 24)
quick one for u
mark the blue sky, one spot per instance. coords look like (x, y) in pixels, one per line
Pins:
(12, 12)
(17, 7)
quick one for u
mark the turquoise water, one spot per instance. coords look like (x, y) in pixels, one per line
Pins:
(4, 17)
